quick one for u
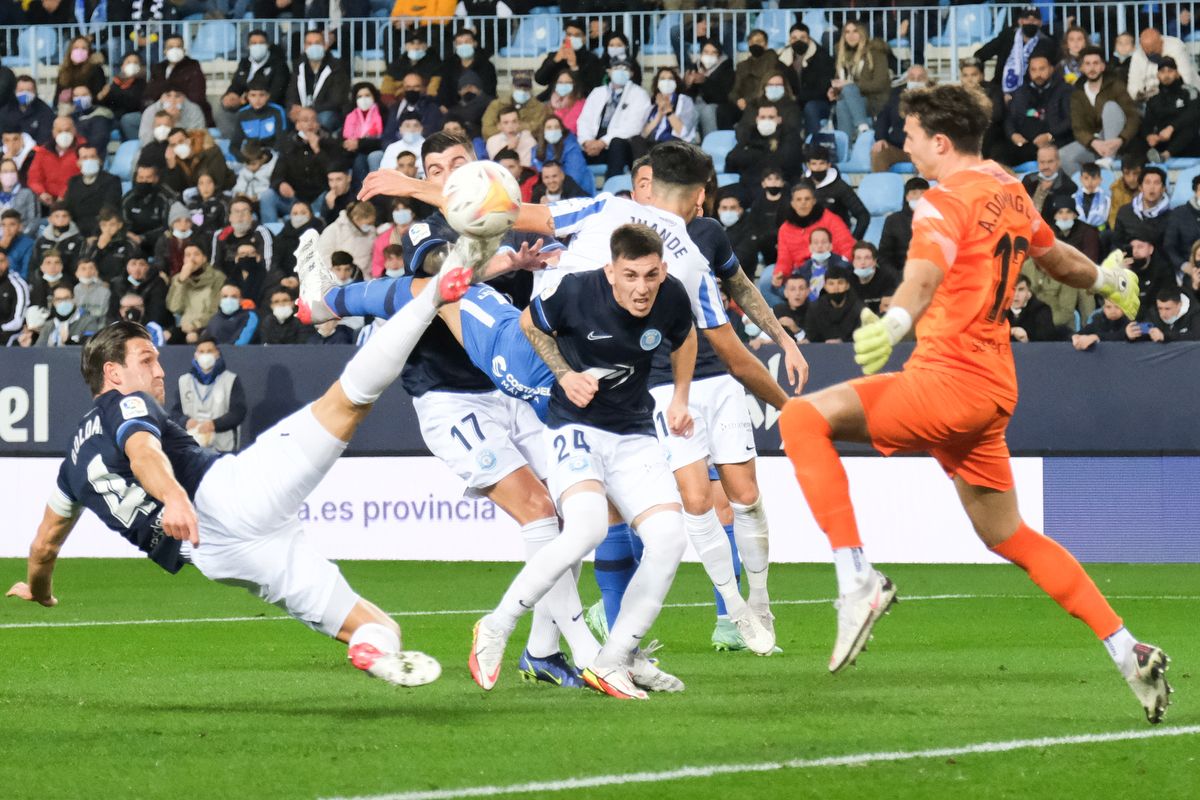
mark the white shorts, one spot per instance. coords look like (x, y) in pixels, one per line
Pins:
(722, 429)
(483, 437)
(632, 467)
(249, 534)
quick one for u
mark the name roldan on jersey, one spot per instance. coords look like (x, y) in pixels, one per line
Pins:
(671, 243)
(89, 430)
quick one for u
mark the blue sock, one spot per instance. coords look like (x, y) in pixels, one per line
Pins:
(737, 571)
(614, 567)
(381, 298)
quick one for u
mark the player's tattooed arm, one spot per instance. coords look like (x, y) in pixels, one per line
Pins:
(545, 346)
(742, 291)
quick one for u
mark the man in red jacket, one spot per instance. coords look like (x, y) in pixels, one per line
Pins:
(55, 162)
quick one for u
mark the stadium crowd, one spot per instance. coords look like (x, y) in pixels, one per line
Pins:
(198, 245)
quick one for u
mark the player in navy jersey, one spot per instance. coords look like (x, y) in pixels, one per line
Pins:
(597, 331)
(234, 516)
(491, 439)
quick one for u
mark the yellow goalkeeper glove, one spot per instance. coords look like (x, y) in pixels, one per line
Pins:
(875, 337)
(1118, 284)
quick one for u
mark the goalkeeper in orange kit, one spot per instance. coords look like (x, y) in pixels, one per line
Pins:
(955, 395)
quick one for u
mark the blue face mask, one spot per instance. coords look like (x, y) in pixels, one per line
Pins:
(416, 55)
(465, 51)
(864, 274)
(64, 308)
(230, 305)
(83, 103)
(564, 89)
(820, 258)
(24, 98)
(620, 77)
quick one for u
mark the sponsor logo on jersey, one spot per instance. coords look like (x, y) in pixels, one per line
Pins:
(650, 339)
(419, 232)
(595, 337)
(132, 407)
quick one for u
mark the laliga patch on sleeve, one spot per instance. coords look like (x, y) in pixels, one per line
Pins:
(132, 407)
(419, 232)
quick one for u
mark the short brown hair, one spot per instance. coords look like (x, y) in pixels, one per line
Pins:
(109, 345)
(960, 114)
(633, 241)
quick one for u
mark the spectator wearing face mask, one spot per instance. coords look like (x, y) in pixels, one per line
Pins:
(91, 293)
(233, 323)
(672, 115)
(611, 117)
(352, 232)
(179, 235)
(1107, 325)
(145, 208)
(62, 236)
(1014, 46)
(775, 92)
(320, 82)
(897, 227)
(1171, 125)
(873, 283)
(180, 113)
(833, 192)
(362, 131)
(55, 163)
(616, 47)
(567, 100)
(15, 244)
(82, 67)
(263, 62)
(747, 239)
(195, 292)
(889, 125)
(125, 95)
(94, 123)
(298, 221)
(15, 197)
(410, 141)
(249, 273)
(27, 113)
(1029, 319)
(810, 71)
(254, 181)
(241, 230)
(145, 284)
(708, 83)
(767, 210)
(68, 323)
(531, 112)
(769, 145)
(1144, 64)
(208, 207)
(179, 71)
(411, 98)
(1068, 227)
(752, 73)
(416, 58)
(393, 262)
(804, 216)
(19, 148)
(190, 153)
(209, 402)
(835, 314)
(467, 57)
(573, 56)
(90, 191)
(281, 325)
(14, 301)
(391, 234)
(45, 278)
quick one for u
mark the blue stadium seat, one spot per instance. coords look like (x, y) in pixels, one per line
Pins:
(818, 24)
(1025, 167)
(618, 183)
(37, 42)
(727, 178)
(122, 160)
(1181, 163)
(841, 144)
(881, 192)
(664, 36)
(859, 161)
(214, 39)
(223, 144)
(274, 227)
(874, 231)
(1183, 186)
(537, 36)
(776, 22)
(719, 144)
(903, 168)
(974, 24)
(598, 171)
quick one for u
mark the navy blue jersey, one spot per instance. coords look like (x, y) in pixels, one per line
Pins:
(96, 474)
(438, 362)
(709, 236)
(597, 336)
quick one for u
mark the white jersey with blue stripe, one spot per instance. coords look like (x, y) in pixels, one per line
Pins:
(590, 222)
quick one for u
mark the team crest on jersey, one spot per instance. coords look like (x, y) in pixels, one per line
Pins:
(132, 407)
(486, 459)
(651, 339)
(419, 232)
(578, 463)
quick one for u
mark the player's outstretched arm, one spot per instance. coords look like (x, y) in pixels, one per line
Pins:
(742, 291)
(1111, 279)
(38, 586)
(875, 338)
(683, 367)
(153, 471)
(392, 183)
(744, 366)
(579, 387)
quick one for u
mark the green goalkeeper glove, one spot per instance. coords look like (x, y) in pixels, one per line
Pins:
(1118, 284)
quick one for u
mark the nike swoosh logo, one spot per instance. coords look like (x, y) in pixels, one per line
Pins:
(595, 337)
(576, 617)
(522, 604)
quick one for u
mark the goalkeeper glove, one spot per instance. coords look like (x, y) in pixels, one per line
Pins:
(1118, 284)
(875, 337)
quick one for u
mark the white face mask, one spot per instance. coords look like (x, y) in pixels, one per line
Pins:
(230, 305)
(864, 273)
(767, 127)
(131, 69)
(820, 258)
(52, 278)
(1064, 225)
(64, 139)
(174, 54)
(773, 93)
(258, 52)
(411, 137)
(616, 52)
(564, 89)
(300, 220)
(161, 132)
(365, 103)
(620, 77)
(465, 51)
(183, 150)
(282, 313)
(182, 234)
(729, 218)
(553, 135)
(365, 228)
(914, 85)
(708, 60)
(666, 86)
(241, 228)
(520, 96)
(89, 167)
(402, 216)
(576, 42)
(315, 52)
(416, 55)
(89, 281)
(394, 273)
(1171, 320)
(912, 204)
(206, 361)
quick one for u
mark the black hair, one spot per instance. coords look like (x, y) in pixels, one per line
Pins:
(107, 346)
(340, 257)
(1091, 50)
(1169, 294)
(354, 90)
(677, 163)
(441, 141)
(551, 163)
(1159, 171)
(632, 241)
(1091, 169)
(864, 245)
(506, 154)
(11, 213)
(913, 184)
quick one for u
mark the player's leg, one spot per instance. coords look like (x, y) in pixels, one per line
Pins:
(614, 565)
(984, 486)
(725, 636)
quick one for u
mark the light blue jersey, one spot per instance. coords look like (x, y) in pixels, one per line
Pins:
(495, 343)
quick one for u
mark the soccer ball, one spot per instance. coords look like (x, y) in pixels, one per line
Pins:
(482, 198)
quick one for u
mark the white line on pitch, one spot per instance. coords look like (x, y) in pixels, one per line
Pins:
(711, 770)
(472, 611)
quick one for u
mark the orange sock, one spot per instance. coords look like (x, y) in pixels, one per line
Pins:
(808, 442)
(1059, 575)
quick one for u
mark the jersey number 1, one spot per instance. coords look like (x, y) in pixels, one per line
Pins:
(1008, 251)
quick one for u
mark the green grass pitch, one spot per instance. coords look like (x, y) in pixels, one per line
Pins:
(268, 709)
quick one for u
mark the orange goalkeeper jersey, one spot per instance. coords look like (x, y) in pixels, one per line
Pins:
(978, 226)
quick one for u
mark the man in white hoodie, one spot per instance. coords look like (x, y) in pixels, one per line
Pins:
(1143, 65)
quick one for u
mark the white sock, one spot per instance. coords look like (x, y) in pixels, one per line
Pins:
(1119, 646)
(665, 542)
(853, 569)
(379, 636)
(585, 524)
(377, 363)
(560, 609)
(712, 545)
(754, 547)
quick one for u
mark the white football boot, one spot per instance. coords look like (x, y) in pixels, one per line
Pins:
(857, 614)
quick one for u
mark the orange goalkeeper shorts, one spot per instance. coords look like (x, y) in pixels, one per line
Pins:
(948, 416)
